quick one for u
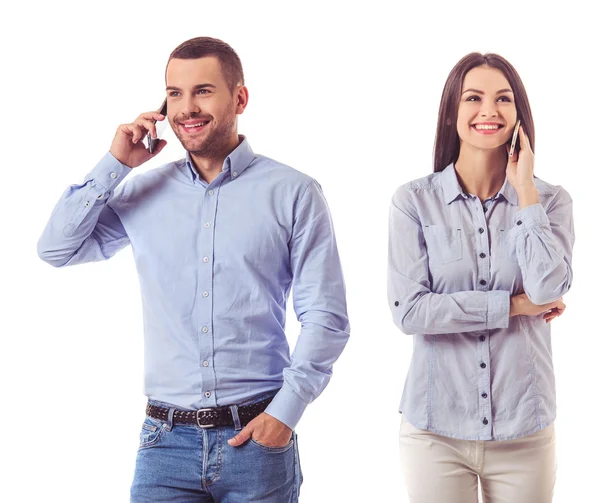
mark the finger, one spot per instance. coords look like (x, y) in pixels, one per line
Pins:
(524, 139)
(242, 437)
(138, 132)
(147, 125)
(150, 116)
(159, 146)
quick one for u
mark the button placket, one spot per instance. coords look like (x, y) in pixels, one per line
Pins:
(206, 238)
(483, 251)
(484, 381)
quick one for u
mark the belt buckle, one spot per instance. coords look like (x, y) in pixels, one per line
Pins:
(198, 419)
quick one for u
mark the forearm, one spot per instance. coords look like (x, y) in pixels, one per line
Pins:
(441, 313)
(76, 215)
(543, 249)
(319, 345)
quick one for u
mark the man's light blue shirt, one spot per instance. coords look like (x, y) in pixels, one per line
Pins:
(216, 263)
(454, 263)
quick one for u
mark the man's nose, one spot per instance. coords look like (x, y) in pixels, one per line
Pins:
(190, 106)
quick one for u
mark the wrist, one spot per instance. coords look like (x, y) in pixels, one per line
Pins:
(527, 195)
(515, 305)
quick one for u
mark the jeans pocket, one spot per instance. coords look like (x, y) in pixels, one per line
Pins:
(152, 430)
(444, 244)
(273, 450)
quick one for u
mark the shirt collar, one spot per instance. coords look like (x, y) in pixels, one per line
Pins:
(452, 188)
(450, 185)
(236, 162)
(509, 193)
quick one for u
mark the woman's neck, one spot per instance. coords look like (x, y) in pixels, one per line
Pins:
(481, 172)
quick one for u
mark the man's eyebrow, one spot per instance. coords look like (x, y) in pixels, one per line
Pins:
(481, 92)
(195, 88)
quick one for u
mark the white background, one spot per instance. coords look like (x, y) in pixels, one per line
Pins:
(347, 93)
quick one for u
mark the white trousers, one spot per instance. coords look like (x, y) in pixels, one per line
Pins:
(438, 469)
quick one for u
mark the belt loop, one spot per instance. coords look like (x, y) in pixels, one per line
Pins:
(236, 417)
(170, 419)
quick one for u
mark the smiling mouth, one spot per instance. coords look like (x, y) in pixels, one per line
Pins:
(487, 128)
(193, 128)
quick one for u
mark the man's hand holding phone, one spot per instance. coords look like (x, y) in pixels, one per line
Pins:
(127, 146)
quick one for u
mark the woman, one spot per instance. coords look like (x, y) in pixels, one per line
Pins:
(479, 259)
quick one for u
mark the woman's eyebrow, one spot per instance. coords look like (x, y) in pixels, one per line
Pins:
(481, 92)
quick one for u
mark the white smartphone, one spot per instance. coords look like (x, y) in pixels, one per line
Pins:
(160, 127)
(513, 143)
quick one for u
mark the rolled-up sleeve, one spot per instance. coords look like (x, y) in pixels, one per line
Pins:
(415, 308)
(544, 248)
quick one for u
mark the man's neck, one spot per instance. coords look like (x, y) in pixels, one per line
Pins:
(209, 167)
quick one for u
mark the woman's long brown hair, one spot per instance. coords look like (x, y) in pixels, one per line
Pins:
(447, 144)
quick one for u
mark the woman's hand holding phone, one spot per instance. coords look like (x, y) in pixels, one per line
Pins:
(519, 169)
(127, 146)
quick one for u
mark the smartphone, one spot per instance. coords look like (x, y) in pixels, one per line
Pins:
(515, 137)
(160, 127)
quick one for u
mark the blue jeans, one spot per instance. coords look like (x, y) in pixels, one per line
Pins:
(186, 463)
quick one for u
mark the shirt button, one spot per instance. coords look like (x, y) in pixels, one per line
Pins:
(234, 174)
(484, 395)
(211, 192)
(113, 175)
(207, 394)
(86, 204)
(396, 303)
(204, 329)
(485, 421)
(205, 364)
(482, 338)
(204, 294)
(482, 365)
(483, 282)
(207, 225)
(205, 260)
(482, 255)
(519, 222)
(481, 230)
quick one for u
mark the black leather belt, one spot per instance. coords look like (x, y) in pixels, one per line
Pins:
(209, 418)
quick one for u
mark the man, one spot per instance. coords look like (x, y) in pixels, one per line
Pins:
(218, 238)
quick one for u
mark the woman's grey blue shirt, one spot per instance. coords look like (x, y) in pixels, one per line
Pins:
(454, 262)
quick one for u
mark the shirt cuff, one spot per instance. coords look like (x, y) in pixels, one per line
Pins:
(531, 216)
(107, 174)
(498, 312)
(287, 406)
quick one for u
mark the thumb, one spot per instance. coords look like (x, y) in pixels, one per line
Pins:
(159, 146)
(242, 437)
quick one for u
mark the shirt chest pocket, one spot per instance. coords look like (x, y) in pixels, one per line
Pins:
(507, 245)
(444, 244)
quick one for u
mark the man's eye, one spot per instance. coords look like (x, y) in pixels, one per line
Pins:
(203, 91)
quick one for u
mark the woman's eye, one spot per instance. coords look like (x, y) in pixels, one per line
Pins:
(173, 93)
(473, 98)
(506, 99)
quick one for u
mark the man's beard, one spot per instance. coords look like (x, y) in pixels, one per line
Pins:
(213, 146)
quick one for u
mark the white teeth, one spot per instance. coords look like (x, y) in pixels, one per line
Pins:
(486, 126)
(196, 125)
